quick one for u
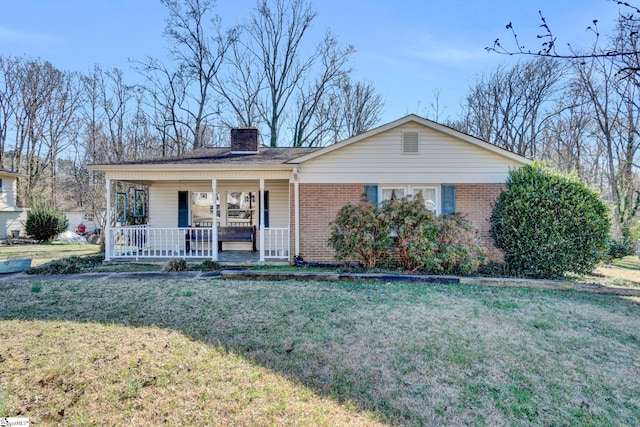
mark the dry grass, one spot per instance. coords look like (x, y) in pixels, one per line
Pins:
(623, 272)
(234, 352)
(45, 252)
(94, 374)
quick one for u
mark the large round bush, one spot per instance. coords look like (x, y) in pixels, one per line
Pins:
(549, 224)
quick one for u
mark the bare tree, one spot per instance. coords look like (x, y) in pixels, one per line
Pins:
(613, 103)
(42, 89)
(511, 106)
(628, 17)
(9, 92)
(164, 92)
(241, 86)
(568, 140)
(275, 40)
(61, 126)
(199, 56)
(362, 107)
(312, 96)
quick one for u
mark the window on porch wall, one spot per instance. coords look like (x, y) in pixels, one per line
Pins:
(202, 209)
(241, 208)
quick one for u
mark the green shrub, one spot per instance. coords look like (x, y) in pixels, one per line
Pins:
(405, 235)
(549, 224)
(619, 249)
(175, 265)
(208, 265)
(358, 232)
(459, 249)
(414, 230)
(58, 266)
(45, 222)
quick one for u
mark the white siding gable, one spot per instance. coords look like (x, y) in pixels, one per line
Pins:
(380, 158)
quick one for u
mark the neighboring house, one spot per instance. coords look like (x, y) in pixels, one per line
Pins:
(77, 216)
(292, 194)
(12, 217)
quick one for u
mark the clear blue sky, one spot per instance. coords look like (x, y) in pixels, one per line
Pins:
(408, 48)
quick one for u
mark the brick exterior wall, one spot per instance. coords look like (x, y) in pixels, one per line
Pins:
(476, 202)
(319, 205)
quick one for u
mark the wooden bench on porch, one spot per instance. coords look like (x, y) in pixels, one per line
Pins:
(225, 234)
(237, 234)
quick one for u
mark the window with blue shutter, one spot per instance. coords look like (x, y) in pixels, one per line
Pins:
(448, 199)
(372, 194)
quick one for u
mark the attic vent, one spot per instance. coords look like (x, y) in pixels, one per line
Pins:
(409, 142)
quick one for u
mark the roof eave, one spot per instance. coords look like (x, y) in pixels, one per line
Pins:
(189, 166)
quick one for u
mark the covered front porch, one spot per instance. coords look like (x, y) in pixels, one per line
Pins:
(226, 219)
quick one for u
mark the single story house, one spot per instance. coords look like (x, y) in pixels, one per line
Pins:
(275, 204)
(12, 216)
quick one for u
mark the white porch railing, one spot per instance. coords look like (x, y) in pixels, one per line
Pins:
(276, 243)
(142, 241)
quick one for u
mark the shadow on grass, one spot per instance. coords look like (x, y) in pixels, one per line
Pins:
(387, 349)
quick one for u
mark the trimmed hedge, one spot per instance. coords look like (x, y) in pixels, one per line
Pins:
(548, 224)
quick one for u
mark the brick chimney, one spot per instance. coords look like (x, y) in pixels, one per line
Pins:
(244, 140)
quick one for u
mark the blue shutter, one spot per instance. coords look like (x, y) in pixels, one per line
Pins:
(266, 210)
(372, 194)
(448, 199)
(183, 208)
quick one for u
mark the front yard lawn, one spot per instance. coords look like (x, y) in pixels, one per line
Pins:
(42, 253)
(620, 272)
(227, 352)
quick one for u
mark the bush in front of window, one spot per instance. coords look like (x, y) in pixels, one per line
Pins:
(414, 232)
(459, 249)
(45, 222)
(359, 233)
(548, 224)
(405, 235)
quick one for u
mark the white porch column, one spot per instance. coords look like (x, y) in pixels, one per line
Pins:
(214, 223)
(107, 223)
(296, 213)
(261, 219)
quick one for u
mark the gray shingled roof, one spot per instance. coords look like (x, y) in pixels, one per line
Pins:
(264, 156)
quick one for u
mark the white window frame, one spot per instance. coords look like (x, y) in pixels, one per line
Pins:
(437, 209)
(408, 192)
(381, 192)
